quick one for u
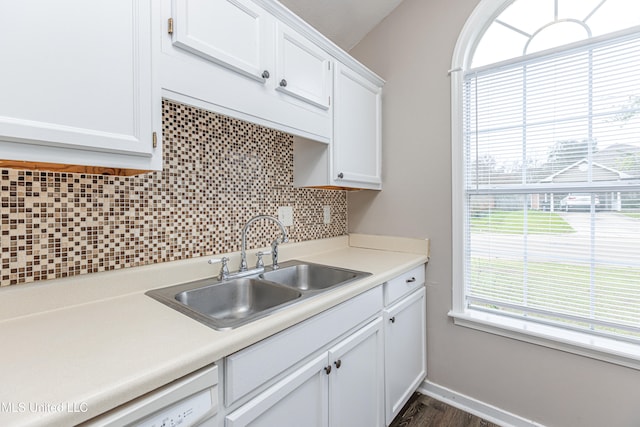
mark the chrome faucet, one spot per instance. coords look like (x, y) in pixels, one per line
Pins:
(274, 243)
(224, 268)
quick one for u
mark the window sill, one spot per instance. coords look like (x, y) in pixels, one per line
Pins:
(601, 348)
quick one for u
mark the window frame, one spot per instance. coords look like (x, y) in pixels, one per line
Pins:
(608, 349)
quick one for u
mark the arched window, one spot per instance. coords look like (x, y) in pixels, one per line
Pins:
(546, 173)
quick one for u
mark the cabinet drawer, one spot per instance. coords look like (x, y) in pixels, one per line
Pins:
(255, 365)
(403, 284)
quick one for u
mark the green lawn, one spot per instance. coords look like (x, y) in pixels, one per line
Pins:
(513, 222)
(635, 215)
(597, 291)
(561, 287)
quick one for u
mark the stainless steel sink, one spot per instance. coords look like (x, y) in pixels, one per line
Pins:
(311, 277)
(227, 304)
(236, 299)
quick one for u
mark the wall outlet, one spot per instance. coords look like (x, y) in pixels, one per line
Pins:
(327, 214)
(285, 215)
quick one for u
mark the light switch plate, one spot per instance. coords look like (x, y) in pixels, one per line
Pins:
(327, 214)
(285, 215)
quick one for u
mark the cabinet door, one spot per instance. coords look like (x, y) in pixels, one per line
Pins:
(230, 33)
(356, 135)
(303, 69)
(299, 399)
(77, 75)
(405, 350)
(356, 381)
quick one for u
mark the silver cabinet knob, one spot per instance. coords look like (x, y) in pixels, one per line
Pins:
(340, 175)
(265, 74)
(327, 369)
(283, 83)
(393, 319)
(338, 363)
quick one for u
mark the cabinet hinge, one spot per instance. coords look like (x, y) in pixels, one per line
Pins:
(170, 26)
(329, 65)
(155, 140)
(329, 101)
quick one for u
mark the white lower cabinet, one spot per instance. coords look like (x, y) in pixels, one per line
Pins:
(356, 379)
(299, 398)
(405, 350)
(341, 387)
(355, 364)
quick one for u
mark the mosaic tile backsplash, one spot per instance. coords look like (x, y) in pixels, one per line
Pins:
(218, 172)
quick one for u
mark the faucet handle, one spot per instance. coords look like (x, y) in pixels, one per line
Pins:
(224, 268)
(260, 262)
(274, 252)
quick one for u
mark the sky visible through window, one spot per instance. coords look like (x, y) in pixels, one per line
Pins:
(530, 26)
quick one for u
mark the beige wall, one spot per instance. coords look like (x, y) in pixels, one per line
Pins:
(412, 50)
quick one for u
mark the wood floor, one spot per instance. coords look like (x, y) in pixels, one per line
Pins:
(423, 411)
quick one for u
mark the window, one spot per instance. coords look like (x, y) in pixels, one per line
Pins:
(546, 174)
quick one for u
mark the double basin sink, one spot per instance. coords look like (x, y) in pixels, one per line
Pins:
(227, 304)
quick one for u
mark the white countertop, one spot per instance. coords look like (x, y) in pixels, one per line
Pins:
(75, 348)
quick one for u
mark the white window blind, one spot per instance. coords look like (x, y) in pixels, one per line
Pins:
(552, 187)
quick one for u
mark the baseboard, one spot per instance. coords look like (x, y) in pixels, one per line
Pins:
(475, 407)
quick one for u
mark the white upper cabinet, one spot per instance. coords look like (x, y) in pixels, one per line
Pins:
(77, 84)
(228, 32)
(256, 61)
(357, 145)
(236, 58)
(303, 69)
(353, 158)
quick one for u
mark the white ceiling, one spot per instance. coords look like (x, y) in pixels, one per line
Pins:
(345, 22)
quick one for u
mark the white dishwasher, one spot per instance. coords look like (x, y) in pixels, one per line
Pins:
(188, 401)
